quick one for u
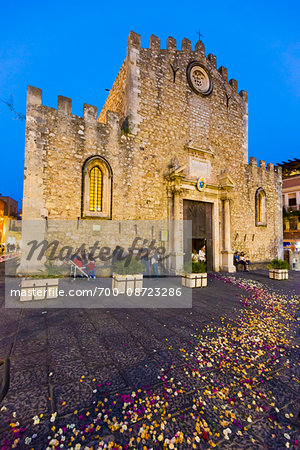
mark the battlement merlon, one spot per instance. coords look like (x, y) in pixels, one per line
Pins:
(186, 45)
(171, 44)
(134, 40)
(200, 49)
(262, 164)
(233, 84)
(89, 112)
(64, 105)
(244, 95)
(213, 60)
(113, 119)
(223, 71)
(154, 43)
(34, 96)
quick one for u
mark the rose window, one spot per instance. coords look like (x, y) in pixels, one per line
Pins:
(199, 78)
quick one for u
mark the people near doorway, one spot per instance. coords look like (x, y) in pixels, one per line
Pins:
(245, 262)
(154, 260)
(161, 267)
(195, 256)
(91, 267)
(202, 254)
(240, 258)
(144, 255)
(199, 256)
(236, 258)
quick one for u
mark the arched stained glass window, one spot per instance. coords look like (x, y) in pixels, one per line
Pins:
(96, 189)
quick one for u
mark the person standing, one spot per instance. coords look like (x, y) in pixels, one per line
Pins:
(91, 267)
(154, 260)
(202, 254)
(144, 255)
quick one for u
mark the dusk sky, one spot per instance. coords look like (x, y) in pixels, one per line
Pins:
(76, 48)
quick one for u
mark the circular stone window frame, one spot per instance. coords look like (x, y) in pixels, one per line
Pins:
(191, 84)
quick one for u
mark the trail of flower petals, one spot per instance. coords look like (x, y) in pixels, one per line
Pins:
(218, 395)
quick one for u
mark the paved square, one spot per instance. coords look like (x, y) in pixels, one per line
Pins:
(224, 373)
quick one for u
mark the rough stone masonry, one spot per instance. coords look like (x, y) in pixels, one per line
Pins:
(172, 130)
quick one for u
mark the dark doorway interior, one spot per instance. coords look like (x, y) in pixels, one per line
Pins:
(198, 244)
(200, 213)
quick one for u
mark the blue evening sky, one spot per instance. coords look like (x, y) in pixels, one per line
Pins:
(75, 48)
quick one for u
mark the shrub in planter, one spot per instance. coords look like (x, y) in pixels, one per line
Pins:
(198, 267)
(127, 274)
(128, 266)
(278, 269)
(198, 277)
(279, 264)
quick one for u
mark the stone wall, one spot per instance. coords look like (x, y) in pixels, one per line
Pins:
(261, 243)
(152, 125)
(57, 145)
(116, 97)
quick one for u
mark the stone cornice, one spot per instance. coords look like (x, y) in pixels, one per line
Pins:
(199, 150)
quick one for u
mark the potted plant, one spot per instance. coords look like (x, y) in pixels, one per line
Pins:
(127, 275)
(195, 274)
(278, 269)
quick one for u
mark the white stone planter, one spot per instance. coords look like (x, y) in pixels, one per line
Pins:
(279, 274)
(123, 283)
(39, 289)
(193, 280)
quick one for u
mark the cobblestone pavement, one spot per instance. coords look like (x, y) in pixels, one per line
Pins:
(225, 373)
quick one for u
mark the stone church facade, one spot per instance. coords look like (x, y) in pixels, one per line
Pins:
(171, 142)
